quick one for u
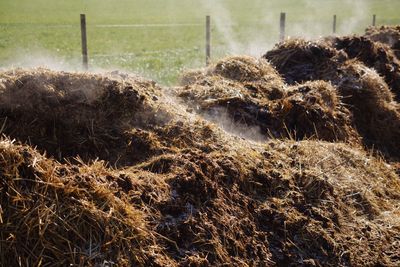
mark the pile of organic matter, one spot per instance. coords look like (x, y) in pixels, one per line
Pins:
(65, 215)
(371, 100)
(298, 60)
(376, 115)
(248, 76)
(386, 34)
(246, 163)
(374, 55)
(68, 115)
(280, 203)
(234, 98)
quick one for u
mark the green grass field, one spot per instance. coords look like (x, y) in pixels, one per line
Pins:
(160, 38)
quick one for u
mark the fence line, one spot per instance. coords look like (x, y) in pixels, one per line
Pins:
(208, 40)
(149, 52)
(84, 43)
(282, 36)
(161, 25)
(249, 23)
(334, 24)
(282, 26)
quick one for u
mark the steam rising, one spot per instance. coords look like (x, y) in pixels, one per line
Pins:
(258, 32)
(40, 58)
(222, 20)
(261, 34)
(264, 34)
(221, 117)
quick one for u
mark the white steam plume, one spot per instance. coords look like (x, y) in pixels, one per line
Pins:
(222, 20)
(222, 118)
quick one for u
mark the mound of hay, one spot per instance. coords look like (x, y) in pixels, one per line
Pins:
(286, 203)
(374, 55)
(386, 34)
(368, 96)
(117, 118)
(313, 109)
(245, 68)
(68, 115)
(376, 114)
(252, 77)
(298, 60)
(308, 110)
(65, 215)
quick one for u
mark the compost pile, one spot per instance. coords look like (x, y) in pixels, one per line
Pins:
(374, 55)
(365, 78)
(249, 162)
(299, 60)
(231, 89)
(385, 34)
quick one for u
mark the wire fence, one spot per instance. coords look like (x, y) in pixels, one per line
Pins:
(282, 34)
(191, 44)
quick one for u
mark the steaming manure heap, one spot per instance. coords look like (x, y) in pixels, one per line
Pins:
(289, 159)
(389, 35)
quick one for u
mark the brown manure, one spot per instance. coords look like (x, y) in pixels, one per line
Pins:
(121, 119)
(85, 115)
(63, 215)
(386, 34)
(245, 69)
(374, 55)
(313, 109)
(376, 114)
(284, 203)
(253, 77)
(298, 60)
(371, 101)
(303, 111)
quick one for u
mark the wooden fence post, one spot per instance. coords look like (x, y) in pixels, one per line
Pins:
(374, 20)
(282, 27)
(208, 40)
(84, 42)
(334, 24)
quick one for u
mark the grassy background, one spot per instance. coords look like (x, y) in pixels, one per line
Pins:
(47, 32)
